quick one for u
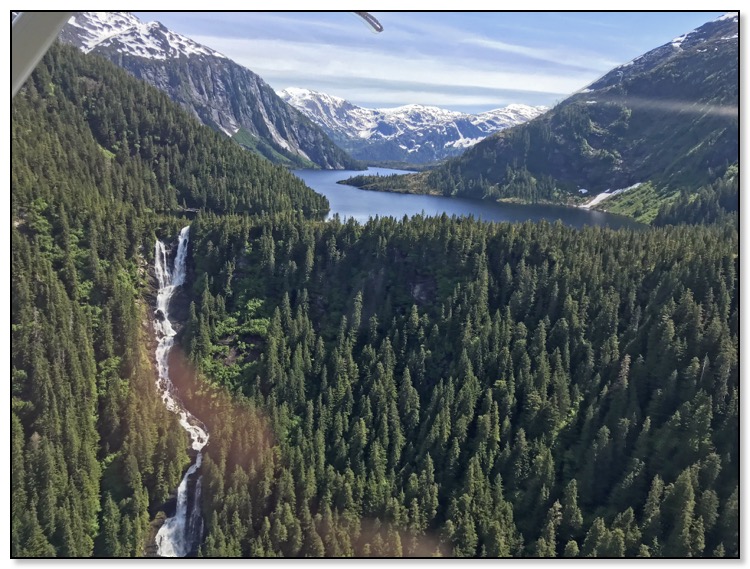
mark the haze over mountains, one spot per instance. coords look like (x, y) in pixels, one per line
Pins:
(410, 133)
(220, 92)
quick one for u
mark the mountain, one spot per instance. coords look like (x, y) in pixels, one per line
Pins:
(103, 164)
(664, 123)
(412, 133)
(220, 92)
(436, 386)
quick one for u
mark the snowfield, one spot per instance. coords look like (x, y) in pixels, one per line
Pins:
(606, 195)
(132, 37)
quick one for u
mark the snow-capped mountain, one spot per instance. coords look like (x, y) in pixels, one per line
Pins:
(128, 35)
(412, 133)
(220, 92)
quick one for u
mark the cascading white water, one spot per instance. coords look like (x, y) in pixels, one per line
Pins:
(195, 525)
(176, 537)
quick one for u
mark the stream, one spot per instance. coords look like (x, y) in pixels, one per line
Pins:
(180, 534)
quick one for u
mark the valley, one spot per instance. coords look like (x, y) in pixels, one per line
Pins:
(232, 339)
(668, 118)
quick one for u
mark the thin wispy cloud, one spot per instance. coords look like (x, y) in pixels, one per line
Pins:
(456, 60)
(561, 57)
(299, 59)
(347, 24)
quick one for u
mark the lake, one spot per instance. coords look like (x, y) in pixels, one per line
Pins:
(348, 201)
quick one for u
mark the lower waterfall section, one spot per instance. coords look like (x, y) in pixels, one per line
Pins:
(180, 534)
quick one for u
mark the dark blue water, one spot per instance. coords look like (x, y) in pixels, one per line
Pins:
(348, 201)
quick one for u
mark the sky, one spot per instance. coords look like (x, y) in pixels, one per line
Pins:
(464, 61)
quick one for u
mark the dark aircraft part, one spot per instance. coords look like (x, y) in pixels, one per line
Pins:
(370, 19)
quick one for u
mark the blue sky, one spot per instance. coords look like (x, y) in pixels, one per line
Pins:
(465, 61)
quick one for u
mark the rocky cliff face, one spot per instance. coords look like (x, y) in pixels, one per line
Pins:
(220, 92)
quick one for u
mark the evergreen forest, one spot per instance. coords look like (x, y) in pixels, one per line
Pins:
(429, 386)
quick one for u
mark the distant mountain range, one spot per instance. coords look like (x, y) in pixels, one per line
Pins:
(666, 121)
(412, 133)
(220, 92)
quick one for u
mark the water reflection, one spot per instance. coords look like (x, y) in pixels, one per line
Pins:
(347, 201)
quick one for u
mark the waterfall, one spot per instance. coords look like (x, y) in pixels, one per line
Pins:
(179, 534)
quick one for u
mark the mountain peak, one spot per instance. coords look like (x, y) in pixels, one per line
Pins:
(126, 34)
(216, 90)
(722, 29)
(728, 16)
(301, 94)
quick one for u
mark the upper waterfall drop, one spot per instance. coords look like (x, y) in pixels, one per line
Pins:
(179, 534)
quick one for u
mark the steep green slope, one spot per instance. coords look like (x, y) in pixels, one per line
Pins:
(99, 159)
(715, 202)
(669, 118)
(90, 437)
(212, 87)
(175, 160)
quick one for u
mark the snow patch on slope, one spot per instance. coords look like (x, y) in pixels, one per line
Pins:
(728, 16)
(677, 42)
(722, 28)
(606, 195)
